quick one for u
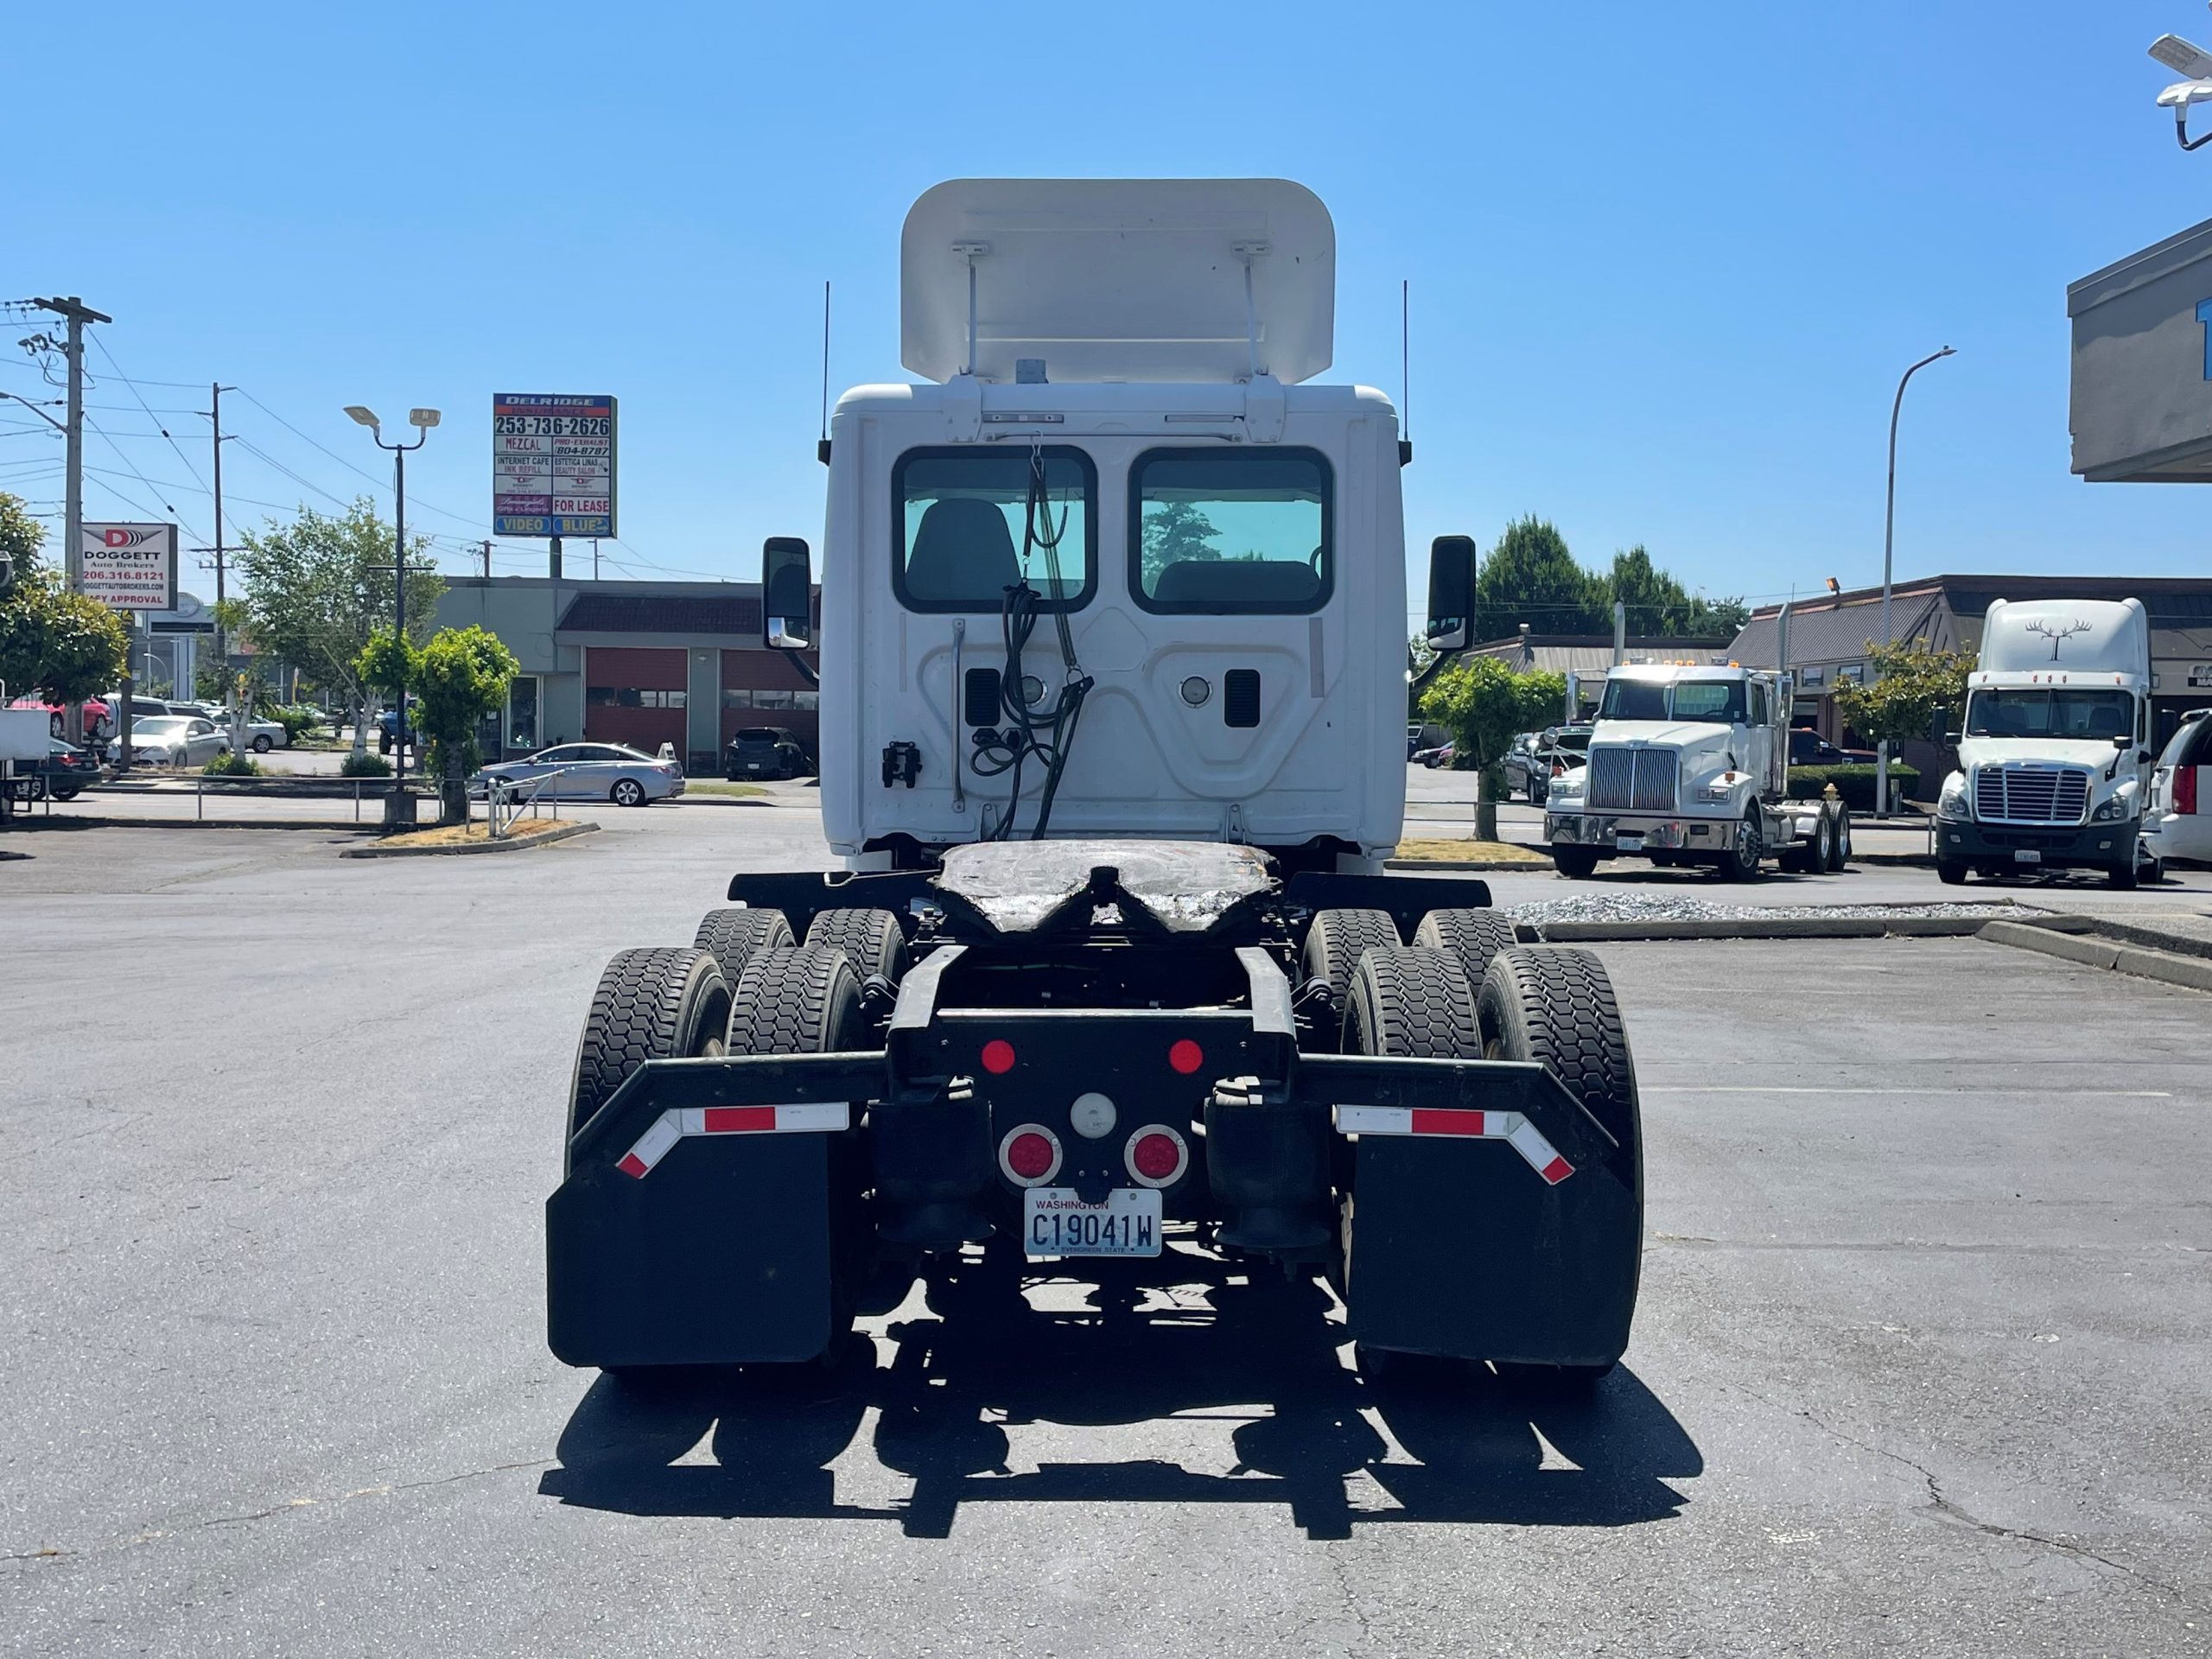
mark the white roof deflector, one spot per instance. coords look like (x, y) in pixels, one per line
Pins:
(1119, 279)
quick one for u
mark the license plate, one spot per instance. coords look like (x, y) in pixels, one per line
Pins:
(1055, 1221)
(2026, 856)
(1629, 843)
(755, 765)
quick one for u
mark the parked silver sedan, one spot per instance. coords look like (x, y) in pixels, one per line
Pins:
(172, 741)
(587, 771)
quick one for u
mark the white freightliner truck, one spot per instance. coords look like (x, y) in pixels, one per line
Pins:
(1112, 690)
(2055, 744)
(1689, 764)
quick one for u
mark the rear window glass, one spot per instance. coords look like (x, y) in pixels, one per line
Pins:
(757, 735)
(969, 524)
(2189, 746)
(1227, 530)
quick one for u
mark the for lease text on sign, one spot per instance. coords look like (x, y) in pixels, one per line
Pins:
(552, 464)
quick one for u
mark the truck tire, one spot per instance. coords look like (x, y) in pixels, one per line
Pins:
(1839, 841)
(796, 1000)
(1741, 863)
(1335, 942)
(1554, 1004)
(1414, 1002)
(733, 937)
(666, 1002)
(2123, 875)
(871, 937)
(1950, 873)
(1471, 937)
(1576, 863)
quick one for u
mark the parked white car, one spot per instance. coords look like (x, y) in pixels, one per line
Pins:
(2178, 818)
(171, 741)
(588, 771)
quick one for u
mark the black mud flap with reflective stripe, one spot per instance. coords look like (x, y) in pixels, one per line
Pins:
(1465, 1234)
(712, 1215)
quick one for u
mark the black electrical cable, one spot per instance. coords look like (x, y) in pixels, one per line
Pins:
(997, 753)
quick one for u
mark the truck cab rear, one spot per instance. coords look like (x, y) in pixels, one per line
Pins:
(1113, 671)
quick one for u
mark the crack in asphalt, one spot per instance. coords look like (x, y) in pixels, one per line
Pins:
(1949, 1509)
(1337, 1567)
(388, 1489)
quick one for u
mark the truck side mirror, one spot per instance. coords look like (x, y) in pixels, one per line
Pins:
(786, 590)
(1451, 592)
(2123, 742)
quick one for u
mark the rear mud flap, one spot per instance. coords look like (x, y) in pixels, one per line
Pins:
(735, 1250)
(1459, 1248)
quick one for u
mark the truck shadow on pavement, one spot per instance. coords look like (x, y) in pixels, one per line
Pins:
(1441, 1443)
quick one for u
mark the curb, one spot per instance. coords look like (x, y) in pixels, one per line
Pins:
(1775, 927)
(468, 848)
(91, 822)
(2193, 973)
(1416, 865)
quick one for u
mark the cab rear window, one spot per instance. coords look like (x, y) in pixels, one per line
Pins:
(967, 524)
(1227, 530)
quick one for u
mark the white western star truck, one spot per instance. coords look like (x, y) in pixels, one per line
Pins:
(1689, 764)
(1112, 686)
(2054, 748)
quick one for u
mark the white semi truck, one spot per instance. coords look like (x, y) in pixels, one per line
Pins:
(1112, 685)
(1689, 764)
(2055, 745)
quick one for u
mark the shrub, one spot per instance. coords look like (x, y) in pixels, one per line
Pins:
(365, 764)
(298, 722)
(233, 764)
(1855, 783)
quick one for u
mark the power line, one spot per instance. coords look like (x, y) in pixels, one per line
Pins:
(143, 478)
(149, 408)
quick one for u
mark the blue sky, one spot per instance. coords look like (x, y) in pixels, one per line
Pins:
(1667, 261)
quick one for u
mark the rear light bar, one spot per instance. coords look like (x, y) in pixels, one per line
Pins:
(2185, 790)
(1511, 1127)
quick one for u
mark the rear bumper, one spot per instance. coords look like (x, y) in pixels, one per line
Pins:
(2062, 847)
(2175, 834)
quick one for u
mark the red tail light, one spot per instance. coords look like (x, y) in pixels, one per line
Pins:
(1030, 1154)
(2185, 790)
(998, 1057)
(1185, 1056)
(1156, 1155)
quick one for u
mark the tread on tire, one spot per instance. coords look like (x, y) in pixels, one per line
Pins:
(662, 1002)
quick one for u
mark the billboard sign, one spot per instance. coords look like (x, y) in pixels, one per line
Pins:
(552, 464)
(130, 567)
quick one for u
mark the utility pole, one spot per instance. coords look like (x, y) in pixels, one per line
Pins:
(595, 558)
(222, 643)
(1888, 528)
(487, 560)
(77, 314)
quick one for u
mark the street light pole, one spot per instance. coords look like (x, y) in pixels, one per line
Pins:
(398, 812)
(1889, 540)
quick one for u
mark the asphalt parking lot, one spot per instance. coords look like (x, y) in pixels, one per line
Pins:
(1918, 1366)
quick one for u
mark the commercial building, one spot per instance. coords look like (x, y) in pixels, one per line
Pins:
(640, 663)
(2140, 406)
(1828, 640)
(1588, 657)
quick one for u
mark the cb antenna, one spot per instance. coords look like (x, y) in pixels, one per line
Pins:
(822, 444)
(1405, 372)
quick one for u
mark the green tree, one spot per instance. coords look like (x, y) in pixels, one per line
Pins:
(316, 588)
(458, 677)
(1175, 531)
(19, 536)
(1529, 577)
(1908, 683)
(59, 644)
(1484, 705)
